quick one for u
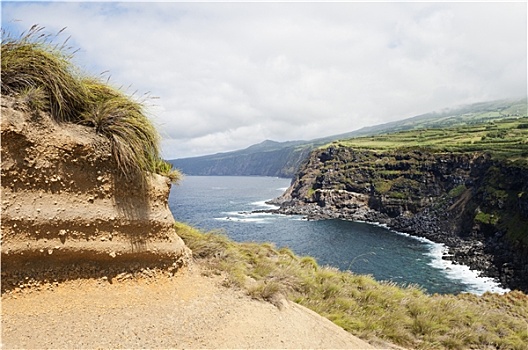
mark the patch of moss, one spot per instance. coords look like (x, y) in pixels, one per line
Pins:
(457, 191)
(485, 218)
(382, 186)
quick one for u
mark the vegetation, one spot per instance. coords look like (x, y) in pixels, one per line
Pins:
(42, 76)
(366, 308)
(283, 159)
(503, 138)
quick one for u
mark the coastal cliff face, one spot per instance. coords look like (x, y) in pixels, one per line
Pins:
(67, 212)
(474, 204)
(279, 161)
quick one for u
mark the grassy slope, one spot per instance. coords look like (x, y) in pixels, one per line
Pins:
(362, 306)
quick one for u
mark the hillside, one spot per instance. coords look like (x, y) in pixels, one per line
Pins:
(464, 186)
(282, 159)
(268, 158)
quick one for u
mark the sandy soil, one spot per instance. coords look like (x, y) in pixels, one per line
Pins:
(189, 310)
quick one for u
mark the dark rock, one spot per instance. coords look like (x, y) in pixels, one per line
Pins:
(470, 202)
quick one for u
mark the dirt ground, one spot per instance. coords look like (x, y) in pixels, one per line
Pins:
(189, 310)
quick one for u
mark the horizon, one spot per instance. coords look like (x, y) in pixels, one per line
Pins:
(231, 75)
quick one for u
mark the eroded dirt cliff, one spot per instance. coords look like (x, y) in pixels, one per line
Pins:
(67, 212)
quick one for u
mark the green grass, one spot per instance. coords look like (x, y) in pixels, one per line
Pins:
(42, 77)
(503, 139)
(369, 309)
(32, 62)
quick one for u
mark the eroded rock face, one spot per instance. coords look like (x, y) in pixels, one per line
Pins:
(474, 204)
(64, 204)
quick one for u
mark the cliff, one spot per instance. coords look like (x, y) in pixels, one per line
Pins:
(472, 200)
(265, 159)
(68, 212)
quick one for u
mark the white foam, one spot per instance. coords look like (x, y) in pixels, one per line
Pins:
(263, 204)
(244, 219)
(476, 283)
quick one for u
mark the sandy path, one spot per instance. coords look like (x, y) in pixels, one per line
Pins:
(186, 311)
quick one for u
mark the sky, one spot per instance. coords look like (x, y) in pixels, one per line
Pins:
(221, 76)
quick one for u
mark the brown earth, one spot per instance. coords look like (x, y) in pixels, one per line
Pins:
(187, 310)
(67, 212)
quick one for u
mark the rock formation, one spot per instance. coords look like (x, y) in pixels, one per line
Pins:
(473, 203)
(67, 212)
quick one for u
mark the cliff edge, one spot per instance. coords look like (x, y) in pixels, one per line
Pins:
(68, 212)
(471, 196)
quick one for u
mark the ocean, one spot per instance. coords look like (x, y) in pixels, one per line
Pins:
(225, 204)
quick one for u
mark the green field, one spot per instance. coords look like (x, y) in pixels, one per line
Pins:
(502, 138)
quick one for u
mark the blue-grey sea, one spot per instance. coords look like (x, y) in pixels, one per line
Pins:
(225, 203)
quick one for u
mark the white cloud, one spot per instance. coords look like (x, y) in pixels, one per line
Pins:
(232, 74)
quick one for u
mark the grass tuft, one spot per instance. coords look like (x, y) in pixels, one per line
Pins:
(33, 62)
(135, 141)
(41, 75)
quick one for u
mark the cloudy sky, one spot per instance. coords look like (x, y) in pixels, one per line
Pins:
(231, 74)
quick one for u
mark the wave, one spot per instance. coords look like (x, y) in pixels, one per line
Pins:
(476, 284)
(246, 216)
(263, 204)
(245, 220)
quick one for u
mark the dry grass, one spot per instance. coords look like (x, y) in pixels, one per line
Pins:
(41, 75)
(32, 62)
(364, 307)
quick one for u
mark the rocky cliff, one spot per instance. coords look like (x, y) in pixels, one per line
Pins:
(472, 202)
(67, 212)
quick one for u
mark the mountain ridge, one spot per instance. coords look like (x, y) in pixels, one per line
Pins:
(282, 159)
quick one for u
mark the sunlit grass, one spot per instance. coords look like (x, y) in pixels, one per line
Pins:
(406, 316)
(41, 76)
(506, 138)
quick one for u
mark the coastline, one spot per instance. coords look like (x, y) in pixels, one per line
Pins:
(449, 254)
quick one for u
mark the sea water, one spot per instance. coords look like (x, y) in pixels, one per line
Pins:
(225, 204)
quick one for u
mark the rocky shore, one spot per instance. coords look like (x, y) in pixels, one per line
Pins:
(440, 197)
(469, 252)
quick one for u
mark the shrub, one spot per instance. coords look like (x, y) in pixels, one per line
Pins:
(457, 191)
